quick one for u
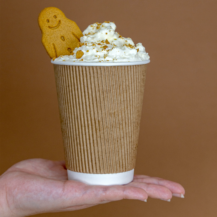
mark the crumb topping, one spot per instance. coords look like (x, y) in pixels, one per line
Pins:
(79, 54)
(100, 42)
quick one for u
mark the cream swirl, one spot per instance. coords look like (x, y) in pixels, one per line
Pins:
(100, 43)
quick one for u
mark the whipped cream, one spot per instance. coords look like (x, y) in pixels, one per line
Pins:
(100, 43)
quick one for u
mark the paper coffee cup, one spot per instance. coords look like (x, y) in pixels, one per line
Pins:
(100, 107)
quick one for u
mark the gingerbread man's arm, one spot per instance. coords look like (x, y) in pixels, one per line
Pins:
(76, 31)
(50, 47)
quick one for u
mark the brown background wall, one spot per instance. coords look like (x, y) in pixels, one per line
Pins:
(179, 121)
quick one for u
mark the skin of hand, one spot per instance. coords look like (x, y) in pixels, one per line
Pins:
(40, 186)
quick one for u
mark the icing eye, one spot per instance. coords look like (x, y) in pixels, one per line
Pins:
(55, 16)
(48, 21)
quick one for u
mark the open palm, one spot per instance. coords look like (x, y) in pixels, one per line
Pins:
(39, 186)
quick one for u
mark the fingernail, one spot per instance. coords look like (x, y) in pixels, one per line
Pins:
(145, 201)
(179, 195)
(166, 200)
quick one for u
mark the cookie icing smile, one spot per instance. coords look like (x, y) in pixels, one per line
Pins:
(55, 27)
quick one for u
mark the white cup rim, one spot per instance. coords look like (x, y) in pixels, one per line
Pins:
(100, 63)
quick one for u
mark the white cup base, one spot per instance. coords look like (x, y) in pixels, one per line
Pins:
(102, 179)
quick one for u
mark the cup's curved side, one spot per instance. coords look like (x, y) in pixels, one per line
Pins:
(100, 112)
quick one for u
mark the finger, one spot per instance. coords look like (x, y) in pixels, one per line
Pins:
(154, 191)
(174, 187)
(73, 194)
(98, 194)
(105, 202)
(73, 208)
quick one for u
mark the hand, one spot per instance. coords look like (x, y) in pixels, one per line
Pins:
(39, 186)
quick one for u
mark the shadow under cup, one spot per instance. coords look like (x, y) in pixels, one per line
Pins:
(100, 107)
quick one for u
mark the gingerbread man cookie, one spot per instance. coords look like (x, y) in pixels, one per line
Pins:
(59, 34)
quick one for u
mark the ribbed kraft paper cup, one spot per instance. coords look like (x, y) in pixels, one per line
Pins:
(100, 108)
